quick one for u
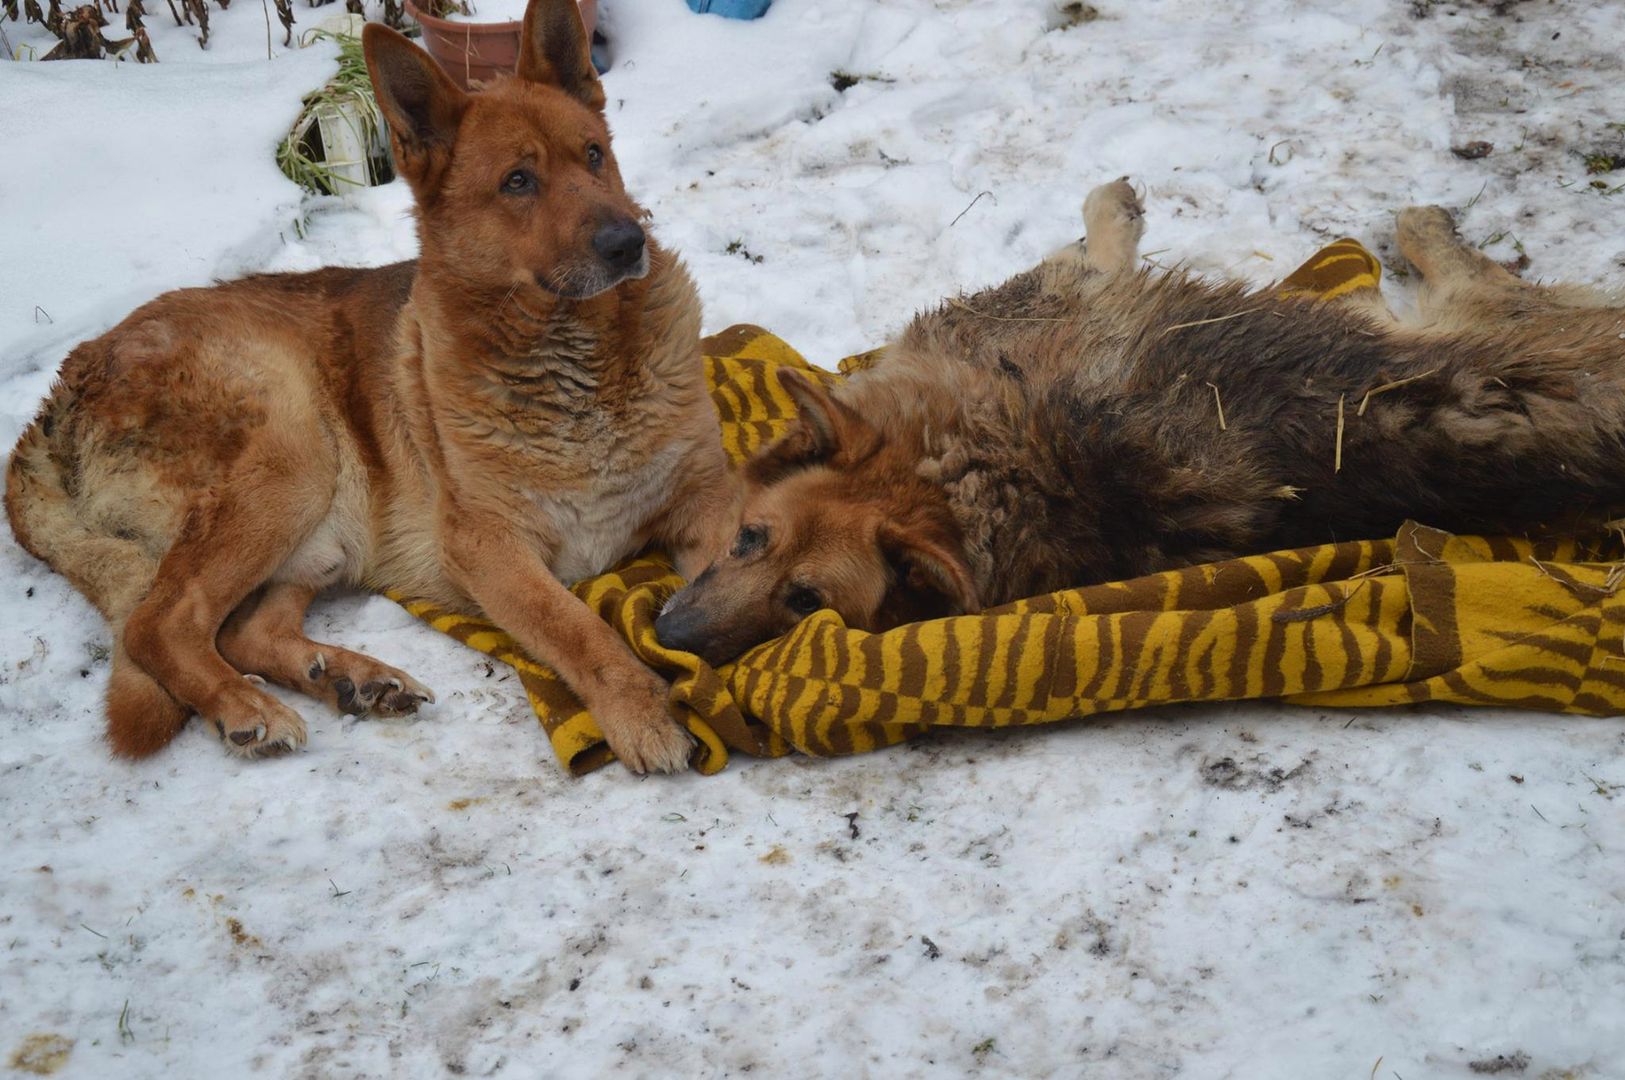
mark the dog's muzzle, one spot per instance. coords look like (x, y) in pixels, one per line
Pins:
(680, 626)
(621, 245)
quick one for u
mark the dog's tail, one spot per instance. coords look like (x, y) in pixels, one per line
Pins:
(112, 571)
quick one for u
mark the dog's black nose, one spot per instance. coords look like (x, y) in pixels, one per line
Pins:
(677, 628)
(619, 243)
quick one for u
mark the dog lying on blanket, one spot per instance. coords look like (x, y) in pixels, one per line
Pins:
(522, 407)
(1089, 421)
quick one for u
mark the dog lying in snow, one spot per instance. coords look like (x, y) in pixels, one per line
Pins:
(1089, 421)
(523, 406)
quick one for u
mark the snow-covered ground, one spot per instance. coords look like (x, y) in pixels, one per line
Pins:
(1249, 891)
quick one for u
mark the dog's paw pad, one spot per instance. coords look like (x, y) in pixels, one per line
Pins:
(255, 725)
(244, 738)
(348, 698)
(386, 695)
(392, 697)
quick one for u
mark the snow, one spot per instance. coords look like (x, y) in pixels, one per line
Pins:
(1243, 891)
(169, 180)
(489, 11)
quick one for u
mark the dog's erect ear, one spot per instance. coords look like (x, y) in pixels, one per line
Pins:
(421, 104)
(825, 431)
(554, 50)
(932, 580)
(830, 424)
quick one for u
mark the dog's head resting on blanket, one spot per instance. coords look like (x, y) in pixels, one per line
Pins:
(834, 517)
(516, 188)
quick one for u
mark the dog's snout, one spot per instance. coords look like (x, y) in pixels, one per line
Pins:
(679, 627)
(619, 244)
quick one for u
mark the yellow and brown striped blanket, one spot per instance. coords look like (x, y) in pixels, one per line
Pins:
(1423, 616)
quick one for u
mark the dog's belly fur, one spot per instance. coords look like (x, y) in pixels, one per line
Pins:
(1072, 422)
(341, 549)
(597, 524)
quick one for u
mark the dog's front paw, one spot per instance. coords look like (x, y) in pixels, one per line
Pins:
(252, 723)
(1114, 204)
(1113, 222)
(643, 733)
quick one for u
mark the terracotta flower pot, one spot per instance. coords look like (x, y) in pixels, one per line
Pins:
(475, 51)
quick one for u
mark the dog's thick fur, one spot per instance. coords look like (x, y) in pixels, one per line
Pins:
(1065, 428)
(524, 404)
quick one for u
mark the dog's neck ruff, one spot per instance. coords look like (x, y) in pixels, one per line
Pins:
(524, 342)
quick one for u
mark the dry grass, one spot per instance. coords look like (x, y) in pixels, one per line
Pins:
(961, 305)
(1205, 322)
(1387, 386)
(1218, 403)
(1337, 458)
(300, 156)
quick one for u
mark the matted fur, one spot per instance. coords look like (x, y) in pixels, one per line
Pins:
(1064, 428)
(526, 403)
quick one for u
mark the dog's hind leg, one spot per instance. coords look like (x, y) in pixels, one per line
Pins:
(114, 572)
(229, 543)
(265, 636)
(1428, 239)
(1464, 290)
(1460, 280)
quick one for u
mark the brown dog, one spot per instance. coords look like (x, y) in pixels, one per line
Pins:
(523, 406)
(1087, 421)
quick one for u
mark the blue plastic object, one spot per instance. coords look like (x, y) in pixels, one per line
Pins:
(732, 9)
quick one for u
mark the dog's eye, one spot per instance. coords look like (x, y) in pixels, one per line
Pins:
(595, 156)
(750, 538)
(519, 182)
(804, 601)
